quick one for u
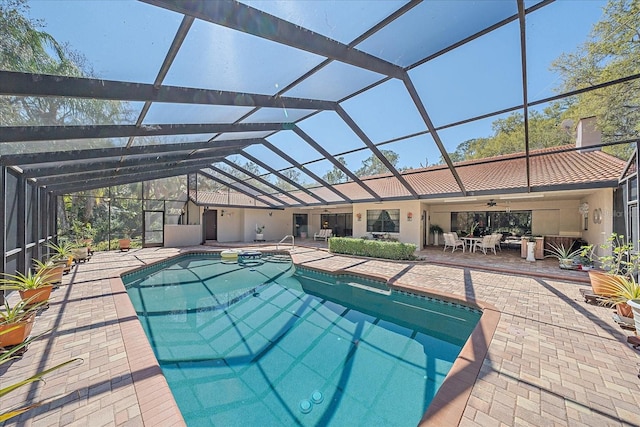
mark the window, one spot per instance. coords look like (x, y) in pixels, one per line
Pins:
(633, 188)
(516, 223)
(340, 224)
(633, 225)
(383, 221)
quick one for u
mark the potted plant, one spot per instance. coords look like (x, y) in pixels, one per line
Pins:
(472, 229)
(62, 254)
(80, 252)
(124, 244)
(436, 230)
(16, 322)
(619, 290)
(52, 270)
(82, 235)
(585, 258)
(586, 263)
(565, 256)
(259, 230)
(34, 287)
(620, 257)
(619, 260)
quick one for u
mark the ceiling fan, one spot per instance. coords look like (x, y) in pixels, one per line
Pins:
(492, 203)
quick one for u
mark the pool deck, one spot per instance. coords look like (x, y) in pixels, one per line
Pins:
(552, 359)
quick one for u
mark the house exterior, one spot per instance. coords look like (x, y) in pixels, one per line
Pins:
(573, 192)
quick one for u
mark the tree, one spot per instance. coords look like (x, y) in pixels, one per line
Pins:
(611, 52)
(24, 47)
(374, 166)
(293, 174)
(508, 137)
(335, 175)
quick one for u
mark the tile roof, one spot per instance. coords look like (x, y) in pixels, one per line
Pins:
(550, 168)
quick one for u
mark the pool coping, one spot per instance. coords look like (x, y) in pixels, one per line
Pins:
(156, 401)
(158, 405)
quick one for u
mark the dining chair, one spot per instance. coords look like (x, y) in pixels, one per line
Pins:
(487, 242)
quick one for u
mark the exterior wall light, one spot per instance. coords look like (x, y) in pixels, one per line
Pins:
(409, 216)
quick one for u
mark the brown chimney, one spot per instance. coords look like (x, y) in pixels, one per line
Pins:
(588, 134)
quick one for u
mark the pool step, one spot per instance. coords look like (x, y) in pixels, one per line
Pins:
(369, 288)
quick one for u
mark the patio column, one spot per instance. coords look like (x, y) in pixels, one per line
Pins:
(21, 207)
(3, 223)
(34, 194)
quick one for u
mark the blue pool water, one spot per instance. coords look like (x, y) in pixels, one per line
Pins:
(270, 345)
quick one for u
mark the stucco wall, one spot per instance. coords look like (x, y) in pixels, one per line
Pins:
(549, 217)
(277, 224)
(182, 235)
(230, 225)
(410, 231)
(194, 214)
(600, 224)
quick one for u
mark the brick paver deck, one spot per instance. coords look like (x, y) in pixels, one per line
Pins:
(552, 360)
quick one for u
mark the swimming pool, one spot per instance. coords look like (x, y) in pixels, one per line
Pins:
(273, 345)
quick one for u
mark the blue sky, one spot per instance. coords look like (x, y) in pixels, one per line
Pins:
(127, 40)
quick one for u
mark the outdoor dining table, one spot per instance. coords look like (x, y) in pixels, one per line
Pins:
(470, 242)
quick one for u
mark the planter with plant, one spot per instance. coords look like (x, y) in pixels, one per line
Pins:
(82, 235)
(16, 322)
(619, 290)
(51, 270)
(620, 260)
(585, 263)
(61, 253)
(34, 287)
(565, 256)
(124, 244)
(436, 230)
(80, 252)
(620, 256)
(473, 228)
(585, 258)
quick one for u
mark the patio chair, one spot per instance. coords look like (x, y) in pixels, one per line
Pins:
(450, 241)
(498, 241)
(487, 242)
(324, 234)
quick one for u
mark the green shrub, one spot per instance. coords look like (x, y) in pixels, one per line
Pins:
(372, 248)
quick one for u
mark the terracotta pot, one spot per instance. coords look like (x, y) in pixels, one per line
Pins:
(80, 254)
(598, 282)
(624, 310)
(124, 244)
(54, 273)
(40, 294)
(17, 335)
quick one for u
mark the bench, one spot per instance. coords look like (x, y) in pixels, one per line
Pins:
(325, 233)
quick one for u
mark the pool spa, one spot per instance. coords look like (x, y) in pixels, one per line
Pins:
(259, 341)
